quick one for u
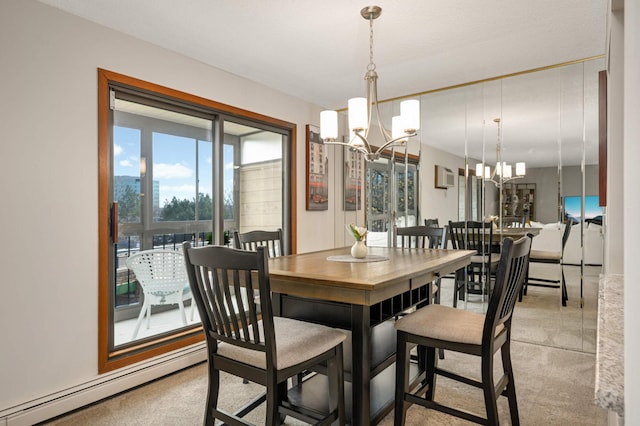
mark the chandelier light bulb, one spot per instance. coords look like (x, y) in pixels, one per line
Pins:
(410, 112)
(329, 125)
(507, 171)
(358, 117)
(361, 111)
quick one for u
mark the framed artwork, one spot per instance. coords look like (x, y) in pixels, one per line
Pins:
(352, 179)
(317, 171)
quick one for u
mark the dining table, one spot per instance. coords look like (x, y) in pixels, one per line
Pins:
(361, 297)
(516, 232)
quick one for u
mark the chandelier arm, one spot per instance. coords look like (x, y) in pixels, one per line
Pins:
(401, 139)
(365, 141)
(362, 150)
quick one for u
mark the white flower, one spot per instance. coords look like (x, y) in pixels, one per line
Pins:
(358, 232)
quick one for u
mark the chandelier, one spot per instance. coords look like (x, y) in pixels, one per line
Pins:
(503, 171)
(360, 110)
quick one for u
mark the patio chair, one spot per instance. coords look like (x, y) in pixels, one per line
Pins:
(163, 277)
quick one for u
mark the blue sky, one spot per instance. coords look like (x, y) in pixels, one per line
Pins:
(591, 209)
(174, 162)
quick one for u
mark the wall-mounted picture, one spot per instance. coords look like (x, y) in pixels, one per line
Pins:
(352, 178)
(592, 209)
(317, 171)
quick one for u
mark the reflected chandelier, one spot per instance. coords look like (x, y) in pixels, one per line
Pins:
(360, 110)
(503, 172)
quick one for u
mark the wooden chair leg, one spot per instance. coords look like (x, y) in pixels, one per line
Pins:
(272, 417)
(565, 296)
(488, 387)
(212, 395)
(402, 379)
(505, 352)
(336, 385)
(431, 364)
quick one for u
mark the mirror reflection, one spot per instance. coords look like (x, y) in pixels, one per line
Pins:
(481, 134)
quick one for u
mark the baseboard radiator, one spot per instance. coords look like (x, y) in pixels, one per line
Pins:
(109, 384)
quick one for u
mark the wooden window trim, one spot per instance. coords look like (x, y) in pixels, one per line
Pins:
(108, 359)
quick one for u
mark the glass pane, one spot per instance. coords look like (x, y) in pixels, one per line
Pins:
(253, 179)
(126, 179)
(174, 178)
(162, 180)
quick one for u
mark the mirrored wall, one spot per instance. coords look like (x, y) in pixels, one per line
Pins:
(548, 120)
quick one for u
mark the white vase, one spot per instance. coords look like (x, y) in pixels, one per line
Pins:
(359, 250)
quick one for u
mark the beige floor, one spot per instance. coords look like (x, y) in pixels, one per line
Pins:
(553, 352)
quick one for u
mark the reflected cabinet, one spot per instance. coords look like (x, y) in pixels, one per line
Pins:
(518, 201)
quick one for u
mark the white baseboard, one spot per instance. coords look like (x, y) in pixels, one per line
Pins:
(107, 385)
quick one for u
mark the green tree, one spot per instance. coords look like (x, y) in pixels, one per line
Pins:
(205, 207)
(178, 210)
(129, 206)
(185, 209)
(228, 205)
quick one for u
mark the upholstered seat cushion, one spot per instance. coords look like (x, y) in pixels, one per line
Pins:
(545, 255)
(296, 341)
(445, 323)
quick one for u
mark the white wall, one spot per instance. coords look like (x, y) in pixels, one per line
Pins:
(49, 174)
(631, 204)
(436, 202)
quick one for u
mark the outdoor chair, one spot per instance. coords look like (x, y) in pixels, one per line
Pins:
(163, 278)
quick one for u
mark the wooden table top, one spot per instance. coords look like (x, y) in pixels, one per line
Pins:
(314, 275)
(516, 232)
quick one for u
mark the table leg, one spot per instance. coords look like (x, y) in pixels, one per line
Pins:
(361, 365)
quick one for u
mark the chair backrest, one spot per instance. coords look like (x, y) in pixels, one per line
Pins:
(223, 281)
(161, 273)
(254, 239)
(419, 236)
(510, 276)
(471, 235)
(433, 223)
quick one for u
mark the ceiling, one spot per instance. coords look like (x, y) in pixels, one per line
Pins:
(318, 50)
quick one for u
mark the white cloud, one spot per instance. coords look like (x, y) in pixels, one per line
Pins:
(171, 171)
(167, 192)
(126, 163)
(117, 150)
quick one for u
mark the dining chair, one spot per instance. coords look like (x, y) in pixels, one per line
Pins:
(422, 237)
(475, 278)
(254, 239)
(252, 343)
(437, 326)
(432, 223)
(551, 257)
(251, 240)
(163, 279)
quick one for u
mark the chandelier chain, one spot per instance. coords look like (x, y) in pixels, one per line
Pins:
(372, 65)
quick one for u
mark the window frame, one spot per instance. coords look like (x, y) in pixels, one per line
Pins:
(113, 358)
